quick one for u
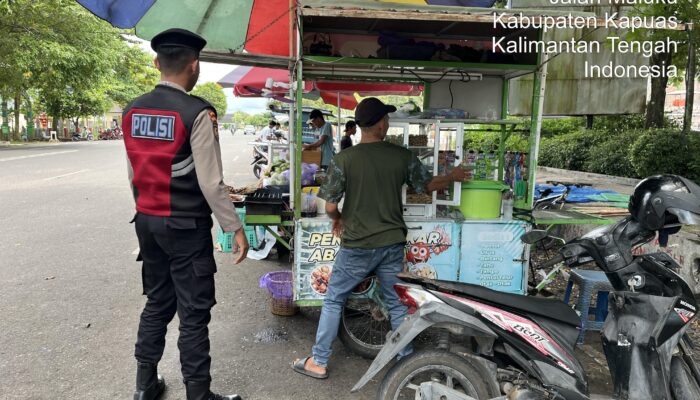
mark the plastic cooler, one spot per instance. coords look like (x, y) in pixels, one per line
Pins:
(224, 240)
(481, 199)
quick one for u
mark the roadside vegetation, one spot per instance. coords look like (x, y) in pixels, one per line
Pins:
(620, 146)
(60, 59)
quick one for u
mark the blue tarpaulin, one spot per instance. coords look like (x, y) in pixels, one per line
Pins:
(576, 194)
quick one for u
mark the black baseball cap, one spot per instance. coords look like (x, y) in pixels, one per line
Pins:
(177, 37)
(370, 111)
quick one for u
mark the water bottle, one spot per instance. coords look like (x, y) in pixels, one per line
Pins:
(507, 205)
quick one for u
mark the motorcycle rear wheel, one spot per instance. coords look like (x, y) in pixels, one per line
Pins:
(404, 378)
(684, 385)
(363, 328)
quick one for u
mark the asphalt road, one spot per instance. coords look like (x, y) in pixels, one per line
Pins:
(70, 293)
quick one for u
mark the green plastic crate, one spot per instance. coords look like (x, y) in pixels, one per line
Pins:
(224, 240)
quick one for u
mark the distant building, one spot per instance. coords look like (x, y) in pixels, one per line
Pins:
(675, 103)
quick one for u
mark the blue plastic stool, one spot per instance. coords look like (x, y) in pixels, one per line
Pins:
(589, 282)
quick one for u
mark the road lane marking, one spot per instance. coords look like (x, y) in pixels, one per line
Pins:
(64, 175)
(37, 155)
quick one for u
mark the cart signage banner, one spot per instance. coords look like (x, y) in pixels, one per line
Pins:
(315, 248)
(432, 249)
(493, 255)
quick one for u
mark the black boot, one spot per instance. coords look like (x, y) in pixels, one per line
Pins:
(200, 391)
(149, 385)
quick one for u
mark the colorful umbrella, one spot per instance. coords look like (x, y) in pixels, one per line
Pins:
(252, 82)
(258, 26)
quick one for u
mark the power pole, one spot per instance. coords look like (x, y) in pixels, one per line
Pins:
(690, 84)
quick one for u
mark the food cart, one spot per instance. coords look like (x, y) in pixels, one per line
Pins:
(445, 51)
(436, 245)
(466, 90)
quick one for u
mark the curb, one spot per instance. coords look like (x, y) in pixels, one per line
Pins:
(618, 180)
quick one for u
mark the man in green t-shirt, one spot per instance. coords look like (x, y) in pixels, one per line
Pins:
(370, 177)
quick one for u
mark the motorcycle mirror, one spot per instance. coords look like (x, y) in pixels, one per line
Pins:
(534, 236)
(558, 239)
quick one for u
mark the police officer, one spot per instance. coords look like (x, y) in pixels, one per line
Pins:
(174, 162)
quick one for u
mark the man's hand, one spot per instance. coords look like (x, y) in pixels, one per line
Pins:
(241, 243)
(459, 174)
(305, 146)
(338, 227)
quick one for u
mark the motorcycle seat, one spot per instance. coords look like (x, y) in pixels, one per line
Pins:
(548, 308)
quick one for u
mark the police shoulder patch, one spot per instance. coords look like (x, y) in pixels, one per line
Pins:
(214, 123)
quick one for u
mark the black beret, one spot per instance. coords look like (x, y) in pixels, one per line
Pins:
(177, 37)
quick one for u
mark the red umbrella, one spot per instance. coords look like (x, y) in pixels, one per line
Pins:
(252, 82)
(347, 101)
(370, 89)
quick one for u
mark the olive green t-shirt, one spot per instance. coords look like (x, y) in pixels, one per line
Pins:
(370, 177)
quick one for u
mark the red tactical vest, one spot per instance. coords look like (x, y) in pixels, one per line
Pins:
(157, 129)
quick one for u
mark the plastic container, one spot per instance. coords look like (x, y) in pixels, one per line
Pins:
(309, 203)
(225, 243)
(279, 284)
(481, 199)
(224, 240)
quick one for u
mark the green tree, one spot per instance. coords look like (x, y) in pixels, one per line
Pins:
(260, 119)
(214, 94)
(684, 11)
(134, 74)
(79, 64)
(239, 119)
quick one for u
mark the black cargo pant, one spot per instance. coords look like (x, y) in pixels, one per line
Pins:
(178, 276)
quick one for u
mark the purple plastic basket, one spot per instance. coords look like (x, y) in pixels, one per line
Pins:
(278, 283)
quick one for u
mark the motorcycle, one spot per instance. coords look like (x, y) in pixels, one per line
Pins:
(81, 136)
(111, 134)
(503, 346)
(260, 153)
(260, 159)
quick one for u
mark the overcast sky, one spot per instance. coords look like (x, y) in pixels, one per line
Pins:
(211, 72)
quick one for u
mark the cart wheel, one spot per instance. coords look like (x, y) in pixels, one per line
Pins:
(363, 327)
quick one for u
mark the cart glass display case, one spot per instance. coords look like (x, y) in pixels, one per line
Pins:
(438, 146)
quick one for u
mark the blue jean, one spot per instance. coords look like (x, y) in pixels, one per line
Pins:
(351, 267)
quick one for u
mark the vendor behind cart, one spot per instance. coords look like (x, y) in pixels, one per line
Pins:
(370, 177)
(267, 133)
(325, 134)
